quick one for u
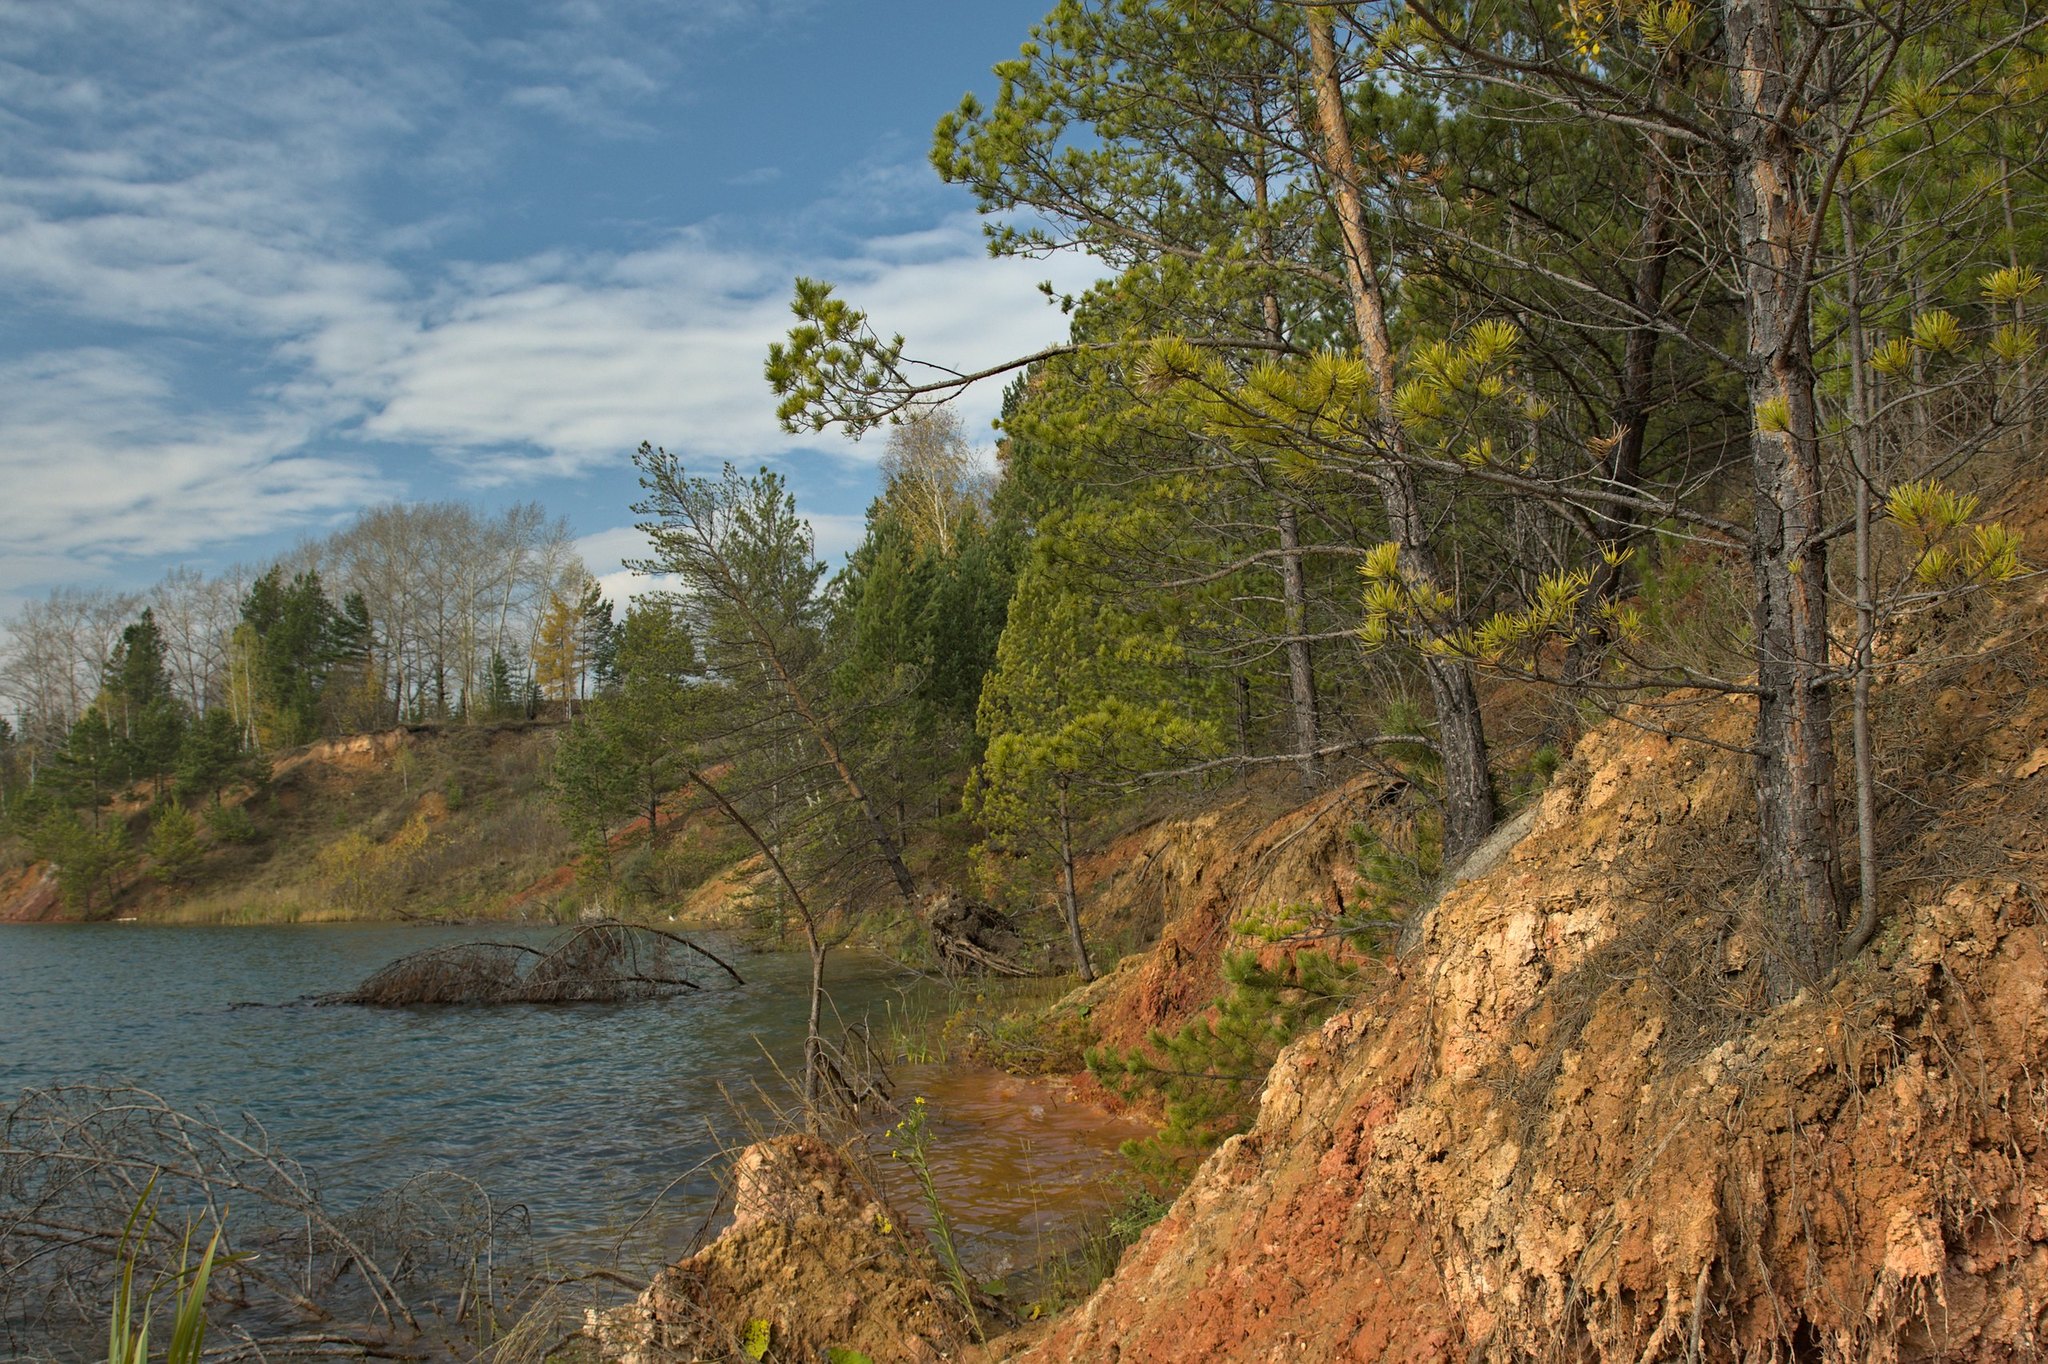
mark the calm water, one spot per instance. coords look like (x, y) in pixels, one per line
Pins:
(584, 1113)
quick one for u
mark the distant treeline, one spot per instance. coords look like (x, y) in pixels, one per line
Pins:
(423, 611)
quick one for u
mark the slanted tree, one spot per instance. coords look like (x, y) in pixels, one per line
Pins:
(751, 603)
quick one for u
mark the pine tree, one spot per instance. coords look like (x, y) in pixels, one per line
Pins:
(146, 715)
(752, 606)
(600, 637)
(1084, 697)
(174, 847)
(212, 756)
(294, 640)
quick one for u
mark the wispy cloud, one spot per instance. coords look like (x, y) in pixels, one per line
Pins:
(99, 466)
(222, 328)
(565, 364)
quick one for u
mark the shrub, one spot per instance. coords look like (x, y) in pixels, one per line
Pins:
(174, 847)
(1210, 1073)
(231, 824)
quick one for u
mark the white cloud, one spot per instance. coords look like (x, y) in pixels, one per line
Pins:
(100, 464)
(837, 534)
(565, 364)
(186, 203)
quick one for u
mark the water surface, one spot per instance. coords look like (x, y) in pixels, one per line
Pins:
(587, 1114)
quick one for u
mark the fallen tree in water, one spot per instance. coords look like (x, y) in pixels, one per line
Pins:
(601, 963)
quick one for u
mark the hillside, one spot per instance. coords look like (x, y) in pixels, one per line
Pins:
(1565, 1125)
(428, 822)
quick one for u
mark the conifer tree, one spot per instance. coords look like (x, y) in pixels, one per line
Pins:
(1085, 699)
(752, 606)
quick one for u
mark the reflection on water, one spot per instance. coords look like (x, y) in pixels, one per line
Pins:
(586, 1114)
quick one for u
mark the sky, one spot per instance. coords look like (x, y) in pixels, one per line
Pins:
(264, 263)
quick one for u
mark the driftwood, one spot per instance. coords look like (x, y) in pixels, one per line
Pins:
(600, 963)
(973, 938)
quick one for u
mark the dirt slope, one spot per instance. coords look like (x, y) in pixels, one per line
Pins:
(1189, 878)
(405, 823)
(1568, 1128)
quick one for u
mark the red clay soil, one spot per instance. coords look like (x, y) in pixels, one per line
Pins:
(28, 895)
(1568, 1127)
(1197, 876)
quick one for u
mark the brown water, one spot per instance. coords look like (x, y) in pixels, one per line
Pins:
(1018, 1163)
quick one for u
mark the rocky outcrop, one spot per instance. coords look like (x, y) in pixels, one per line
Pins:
(1567, 1126)
(813, 1253)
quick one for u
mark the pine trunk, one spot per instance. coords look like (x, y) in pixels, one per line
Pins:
(1795, 755)
(1070, 900)
(1301, 677)
(1469, 811)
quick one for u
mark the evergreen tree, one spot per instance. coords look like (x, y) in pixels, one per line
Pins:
(592, 783)
(752, 606)
(212, 756)
(294, 639)
(1085, 699)
(501, 690)
(88, 856)
(600, 642)
(85, 773)
(630, 747)
(13, 773)
(146, 714)
(174, 847)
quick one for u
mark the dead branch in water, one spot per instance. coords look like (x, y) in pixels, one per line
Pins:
(601, 963)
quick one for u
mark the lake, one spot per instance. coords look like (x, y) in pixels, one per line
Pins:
(586, 1114)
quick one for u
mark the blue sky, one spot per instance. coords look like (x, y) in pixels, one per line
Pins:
(266, 262)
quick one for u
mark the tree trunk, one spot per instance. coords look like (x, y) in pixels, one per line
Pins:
(1865, 474)
(814, 1044)
(1469, 811)
(1301, 678)
(1624, 464)
(1070, 901)
(891, 853)
(1795, 755)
